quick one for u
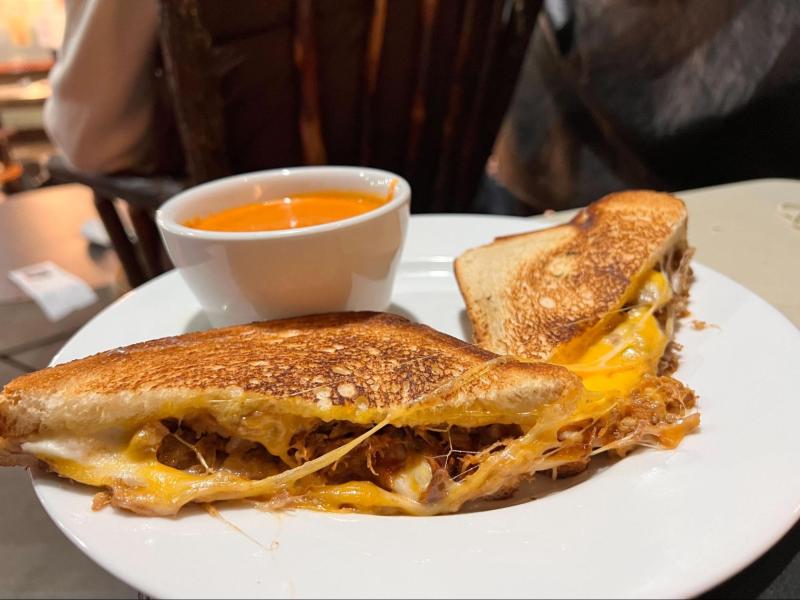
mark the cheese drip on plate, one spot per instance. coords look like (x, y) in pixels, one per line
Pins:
(623, 405)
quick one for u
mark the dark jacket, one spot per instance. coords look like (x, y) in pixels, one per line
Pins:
(669, 94)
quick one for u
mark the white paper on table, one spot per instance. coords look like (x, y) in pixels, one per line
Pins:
(56, 291)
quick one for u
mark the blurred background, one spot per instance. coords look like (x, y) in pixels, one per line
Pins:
(109, 107)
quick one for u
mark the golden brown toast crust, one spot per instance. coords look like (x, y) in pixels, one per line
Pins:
(530, 294)
(280, 358)
(356, 366)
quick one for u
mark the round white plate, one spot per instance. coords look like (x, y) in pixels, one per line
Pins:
(659, 523)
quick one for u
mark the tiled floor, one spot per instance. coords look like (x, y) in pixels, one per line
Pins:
(28, 538)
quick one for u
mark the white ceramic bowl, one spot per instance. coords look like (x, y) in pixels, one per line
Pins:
(240, 277)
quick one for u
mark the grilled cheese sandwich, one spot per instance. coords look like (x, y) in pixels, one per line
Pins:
(369, 412)
(551, 294)
(365, 427)
(599, 295)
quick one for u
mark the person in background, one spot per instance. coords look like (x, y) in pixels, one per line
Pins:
(666, 94)
(614, 94)
(106, 113)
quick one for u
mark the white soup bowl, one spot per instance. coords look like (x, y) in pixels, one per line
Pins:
(240, 277)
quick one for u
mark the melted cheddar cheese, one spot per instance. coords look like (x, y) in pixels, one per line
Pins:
(610, 368)
(619, 359)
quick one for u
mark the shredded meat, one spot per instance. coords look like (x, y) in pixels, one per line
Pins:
(669, 360)
(658, 412)
(677, 269)
(192, 452)
(679, 272)
(380, 456)
(384, 452)
(437, 488)
(452, 452)
(185, 449)
(249, 460)
(681, 277)
(101, 500)
(699, 325)
(656, 403)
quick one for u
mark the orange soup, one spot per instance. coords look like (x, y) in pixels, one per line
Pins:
(290, 212)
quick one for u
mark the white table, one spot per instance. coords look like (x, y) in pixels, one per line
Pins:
(737, 229)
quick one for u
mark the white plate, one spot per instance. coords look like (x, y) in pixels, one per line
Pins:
(655, 524)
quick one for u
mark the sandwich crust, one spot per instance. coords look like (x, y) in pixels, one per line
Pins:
(349, 411)
(531, 293)
(358, 367)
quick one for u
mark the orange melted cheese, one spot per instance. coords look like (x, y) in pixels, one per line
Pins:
(290, 212)
(610, 367)
(619, 359)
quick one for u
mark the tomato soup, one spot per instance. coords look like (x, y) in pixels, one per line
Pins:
(291, 212)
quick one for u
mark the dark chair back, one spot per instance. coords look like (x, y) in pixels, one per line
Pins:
(418, 87)
(414, 86)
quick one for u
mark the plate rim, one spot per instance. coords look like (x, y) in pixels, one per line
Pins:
(698, 588)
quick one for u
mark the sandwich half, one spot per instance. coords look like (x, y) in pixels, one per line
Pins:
(599, 294)
(350, 411)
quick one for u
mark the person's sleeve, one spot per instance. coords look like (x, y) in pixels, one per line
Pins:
(100, 114)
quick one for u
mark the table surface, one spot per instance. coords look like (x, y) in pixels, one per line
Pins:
(51, 220)
(743, 230)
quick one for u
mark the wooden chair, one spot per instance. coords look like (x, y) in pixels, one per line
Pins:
(414, 86)
(142, 260)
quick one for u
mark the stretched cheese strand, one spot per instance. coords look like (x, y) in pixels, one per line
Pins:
(143, 484)
(619, 360)
(609, 368)
(542, 448)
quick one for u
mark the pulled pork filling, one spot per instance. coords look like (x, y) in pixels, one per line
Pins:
(425, 464)
(422, 463)
(679, 274)
(185, 449)
(449, 452)
(382, 456)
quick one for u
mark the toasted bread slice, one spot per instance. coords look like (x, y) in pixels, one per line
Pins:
(361, 411)
(534, 294)
(358, 367)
